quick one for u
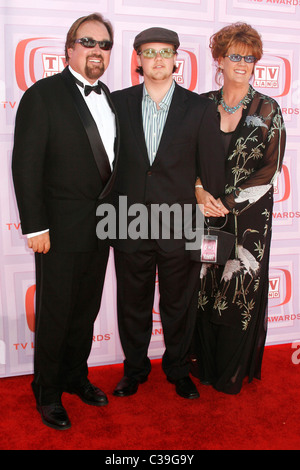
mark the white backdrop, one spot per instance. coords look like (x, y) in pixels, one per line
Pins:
(32, 36)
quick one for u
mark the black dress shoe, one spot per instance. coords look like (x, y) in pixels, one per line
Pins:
(185, 387)
(127, 386)
(54, 416)
(89, 394)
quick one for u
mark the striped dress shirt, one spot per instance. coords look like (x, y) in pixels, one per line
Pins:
(154, 120)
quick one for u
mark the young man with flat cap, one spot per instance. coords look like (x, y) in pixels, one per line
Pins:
(168, 137)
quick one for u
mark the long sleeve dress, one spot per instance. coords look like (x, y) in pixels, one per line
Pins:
(232, 309)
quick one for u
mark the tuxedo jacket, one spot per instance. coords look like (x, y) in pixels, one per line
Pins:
(190, 146)
(61, 170)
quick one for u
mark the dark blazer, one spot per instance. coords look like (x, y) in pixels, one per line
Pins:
(190, 146)
(60, 168)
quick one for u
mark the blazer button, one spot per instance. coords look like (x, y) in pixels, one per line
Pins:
(149, 173)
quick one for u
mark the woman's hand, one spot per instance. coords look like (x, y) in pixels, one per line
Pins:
(210, 206)
(223, 208)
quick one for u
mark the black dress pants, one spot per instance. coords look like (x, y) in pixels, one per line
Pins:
(68, 297)
(178, 287)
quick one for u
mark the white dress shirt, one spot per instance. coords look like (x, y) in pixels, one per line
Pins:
(104, 119)
(102, 114)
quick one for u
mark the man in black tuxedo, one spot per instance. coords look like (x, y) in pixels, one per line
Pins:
(169, 136)
(66, 139)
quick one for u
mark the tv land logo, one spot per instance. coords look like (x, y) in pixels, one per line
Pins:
(280, 295)
(266, 76)
(178, 75)
(53, 64)
(273, 76)
(33, 60)
(280, 287)
(274, 288)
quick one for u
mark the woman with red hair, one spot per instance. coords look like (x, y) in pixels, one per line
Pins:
(232, 315)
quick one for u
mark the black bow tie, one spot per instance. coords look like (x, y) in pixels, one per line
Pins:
(88, 88)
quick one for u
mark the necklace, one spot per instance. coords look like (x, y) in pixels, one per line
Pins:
(232, 110)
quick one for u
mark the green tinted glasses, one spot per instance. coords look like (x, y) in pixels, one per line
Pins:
(152, 53)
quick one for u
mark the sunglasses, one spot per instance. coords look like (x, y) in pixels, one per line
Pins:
(152, 53)
(90, 43)
(250, 59)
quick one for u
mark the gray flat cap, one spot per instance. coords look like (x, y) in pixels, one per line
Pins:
(156, 35)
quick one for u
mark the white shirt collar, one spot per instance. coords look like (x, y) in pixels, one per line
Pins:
(81, 78)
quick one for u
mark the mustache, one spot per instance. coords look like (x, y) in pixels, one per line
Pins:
(95, 56)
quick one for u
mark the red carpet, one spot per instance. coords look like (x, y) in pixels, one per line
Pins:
(264, 416)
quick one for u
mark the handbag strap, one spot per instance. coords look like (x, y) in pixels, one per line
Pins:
(216, 228)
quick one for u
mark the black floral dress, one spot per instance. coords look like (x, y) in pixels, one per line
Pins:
(232, 308)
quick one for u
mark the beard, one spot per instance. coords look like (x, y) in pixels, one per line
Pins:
(94, 70)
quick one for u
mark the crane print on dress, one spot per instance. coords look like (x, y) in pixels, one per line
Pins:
(202, 297)
(253, 162)
(238, 268)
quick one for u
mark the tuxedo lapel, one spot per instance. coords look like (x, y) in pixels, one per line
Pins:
(117, 139)
(89, 124)
(136, 119)
(110, 183)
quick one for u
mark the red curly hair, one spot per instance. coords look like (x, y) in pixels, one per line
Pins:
(236, 34)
